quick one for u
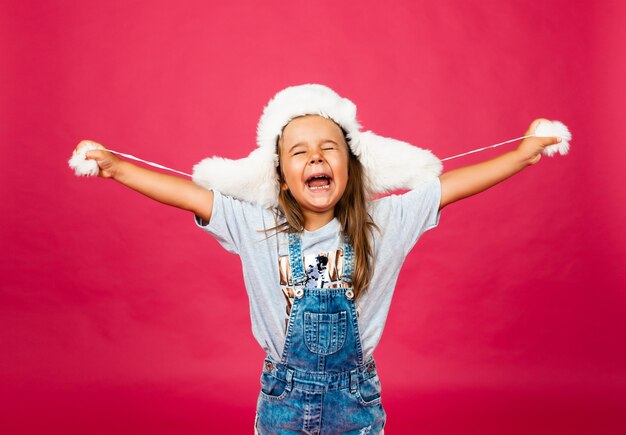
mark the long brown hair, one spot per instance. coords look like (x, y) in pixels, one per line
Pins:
(350, 211)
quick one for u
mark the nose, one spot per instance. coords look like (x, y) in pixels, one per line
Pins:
(316, 158)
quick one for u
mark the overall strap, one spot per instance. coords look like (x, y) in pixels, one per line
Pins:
(296, 263)
(348, 260)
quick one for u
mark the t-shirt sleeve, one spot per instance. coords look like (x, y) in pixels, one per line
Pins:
(402, 219)
(231, 221)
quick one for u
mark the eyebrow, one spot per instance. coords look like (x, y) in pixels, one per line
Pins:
(304, 143)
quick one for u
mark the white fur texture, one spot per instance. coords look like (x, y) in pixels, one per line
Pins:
(554, 129)
(251, 179)
(388, 164)
(391, 164)
(79, 163)
(310, 99)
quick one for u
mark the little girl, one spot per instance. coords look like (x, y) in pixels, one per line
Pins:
(320, 258)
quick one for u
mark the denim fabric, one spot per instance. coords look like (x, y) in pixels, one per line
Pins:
(321, 385)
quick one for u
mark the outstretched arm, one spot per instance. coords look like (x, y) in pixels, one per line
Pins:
(469, 180)
(166, 189)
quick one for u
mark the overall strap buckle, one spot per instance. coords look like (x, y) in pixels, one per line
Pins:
(354, 380)
(289, 379)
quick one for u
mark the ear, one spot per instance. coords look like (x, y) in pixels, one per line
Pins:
(281, 176)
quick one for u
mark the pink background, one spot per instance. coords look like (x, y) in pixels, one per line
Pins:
(118, 316)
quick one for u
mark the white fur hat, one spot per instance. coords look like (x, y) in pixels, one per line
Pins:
(388, 164)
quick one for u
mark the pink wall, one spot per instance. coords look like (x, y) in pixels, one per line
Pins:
(118, 316)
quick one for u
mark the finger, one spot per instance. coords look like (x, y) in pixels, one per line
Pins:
(94, 154)
(536, 159)
(84, 143)
(547, 141)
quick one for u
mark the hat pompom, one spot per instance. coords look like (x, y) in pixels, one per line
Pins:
(557, 129)
(81, 165)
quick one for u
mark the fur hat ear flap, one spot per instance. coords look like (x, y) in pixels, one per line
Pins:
(391, 164)
(252, 179)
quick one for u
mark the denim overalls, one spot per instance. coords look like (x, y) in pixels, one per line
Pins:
(321, 385)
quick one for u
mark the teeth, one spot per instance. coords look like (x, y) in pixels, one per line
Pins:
(319, 187)
(318, 177)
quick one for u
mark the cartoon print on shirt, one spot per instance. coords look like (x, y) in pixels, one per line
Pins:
(324, 270)
(315, 273)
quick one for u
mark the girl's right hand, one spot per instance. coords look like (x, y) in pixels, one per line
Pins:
(107, 161)
(531, 148)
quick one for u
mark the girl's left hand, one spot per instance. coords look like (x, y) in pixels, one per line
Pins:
(531, 148)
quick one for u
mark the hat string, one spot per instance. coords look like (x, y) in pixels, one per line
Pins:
(156, 165)
(484, 148)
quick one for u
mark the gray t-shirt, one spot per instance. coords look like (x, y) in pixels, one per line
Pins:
(239, 227)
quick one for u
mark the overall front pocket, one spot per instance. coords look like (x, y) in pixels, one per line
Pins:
(368, 391)
(325, 333)
(273, 388)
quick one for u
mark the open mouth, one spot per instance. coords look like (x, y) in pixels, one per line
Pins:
(318, 182)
